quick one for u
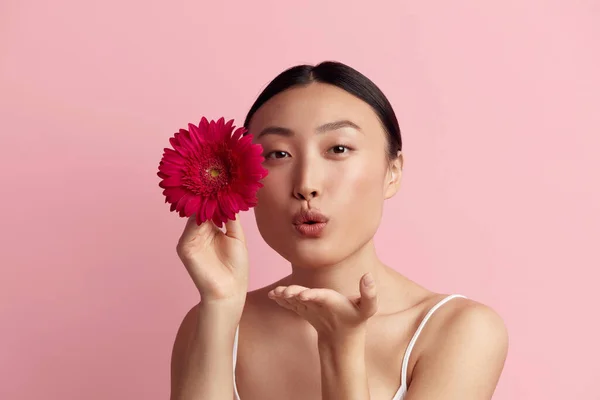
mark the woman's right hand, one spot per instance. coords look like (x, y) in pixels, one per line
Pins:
(217, 262)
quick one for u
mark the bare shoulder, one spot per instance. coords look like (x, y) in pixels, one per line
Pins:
(475, 322)
(464, 335)
(466, 320)
(477, 317)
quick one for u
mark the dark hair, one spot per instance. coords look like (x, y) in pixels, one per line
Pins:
(344, 77)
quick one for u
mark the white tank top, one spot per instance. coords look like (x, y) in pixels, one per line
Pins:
(402, 389)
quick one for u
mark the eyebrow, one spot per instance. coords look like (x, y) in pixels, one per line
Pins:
(330, 126)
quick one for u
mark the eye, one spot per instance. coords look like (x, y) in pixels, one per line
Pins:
(276, 154)
(339, 149)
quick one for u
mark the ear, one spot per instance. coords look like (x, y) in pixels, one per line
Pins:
(394, 175)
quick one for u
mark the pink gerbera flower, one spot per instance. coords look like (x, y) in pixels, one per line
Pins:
(211, 172)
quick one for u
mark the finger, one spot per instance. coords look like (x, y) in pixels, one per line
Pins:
(323, 297)
(355, 299)
(368, 296)
(288, 295)
(233, 228)
(307, 295)
(307, 299)
(293, 290)
(283, 303)
(296, 304)
(277, 291)
(277, 295)
(193, 230)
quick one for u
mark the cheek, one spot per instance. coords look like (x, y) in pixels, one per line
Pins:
(358, 192)
(271, 215)
(272, 192)
(272, 203)
(357, 184)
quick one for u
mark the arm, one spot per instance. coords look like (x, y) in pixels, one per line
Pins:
(340, 323)
(202, 356)
(466, 362)
(343, 367)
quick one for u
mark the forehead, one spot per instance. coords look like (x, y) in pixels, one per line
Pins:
(306, 107)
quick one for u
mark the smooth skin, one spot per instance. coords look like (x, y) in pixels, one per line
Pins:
(322, 332)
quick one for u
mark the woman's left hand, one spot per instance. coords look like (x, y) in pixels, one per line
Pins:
(332, 314)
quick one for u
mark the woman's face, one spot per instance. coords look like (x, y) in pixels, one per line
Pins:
(325, 150)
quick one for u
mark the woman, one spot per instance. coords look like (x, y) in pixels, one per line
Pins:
(342, 325)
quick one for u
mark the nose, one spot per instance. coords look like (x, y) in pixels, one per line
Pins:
(306, 185)
(305, 194)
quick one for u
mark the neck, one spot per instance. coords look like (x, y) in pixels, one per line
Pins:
(344, 276)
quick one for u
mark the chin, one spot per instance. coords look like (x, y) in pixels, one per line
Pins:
(331, 248)
(312, 253)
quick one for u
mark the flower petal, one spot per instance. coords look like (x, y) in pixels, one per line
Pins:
(192, 205)
(210, 207)
(172, 181)
(177, 145)
(196, 136)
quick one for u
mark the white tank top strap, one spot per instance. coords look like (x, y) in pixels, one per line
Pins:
(235, 347)
(412, 342)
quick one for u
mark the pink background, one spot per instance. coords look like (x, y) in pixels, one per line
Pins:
(498, 104)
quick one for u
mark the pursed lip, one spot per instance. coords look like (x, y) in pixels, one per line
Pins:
(305, 216)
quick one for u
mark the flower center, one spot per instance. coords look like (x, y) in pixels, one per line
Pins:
(214, 175)
(208, 171)
(213, 172)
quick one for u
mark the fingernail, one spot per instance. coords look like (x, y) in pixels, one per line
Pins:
(368, 280)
